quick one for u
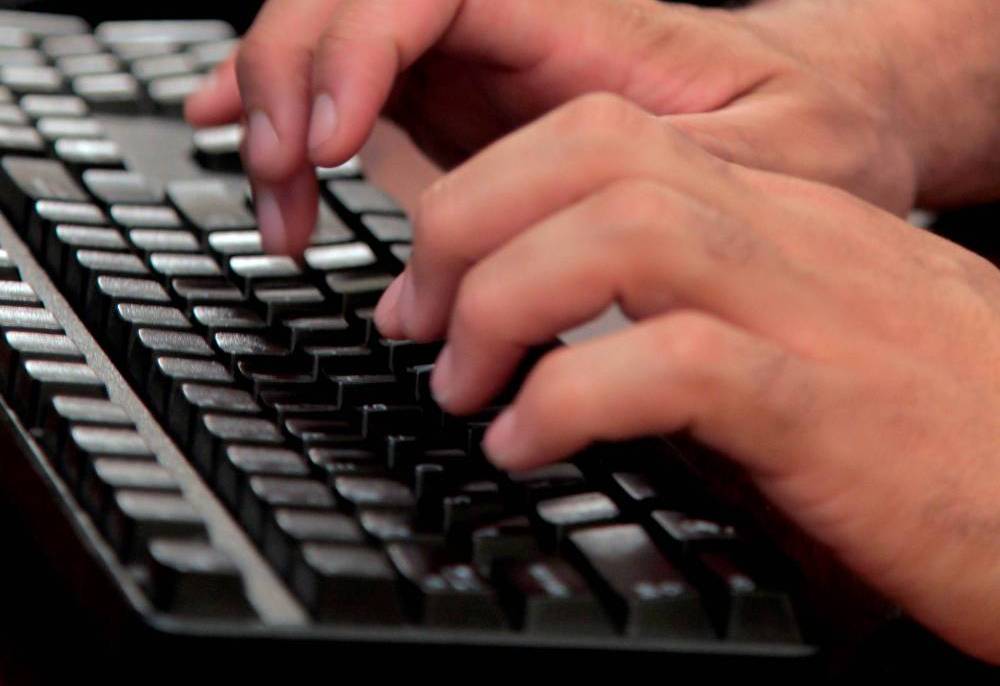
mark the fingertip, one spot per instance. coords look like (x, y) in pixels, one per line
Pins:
(386, 312)
(504, 444)
(270, 220)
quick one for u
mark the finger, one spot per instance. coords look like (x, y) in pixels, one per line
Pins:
(370, 42)
(639, 244)
(287, 212)
(574, 151)
(274, 69)
(217, 101)
(741, 394)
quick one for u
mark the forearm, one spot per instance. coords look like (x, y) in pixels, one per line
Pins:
(933, 67)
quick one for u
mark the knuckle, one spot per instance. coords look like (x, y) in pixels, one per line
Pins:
(599, 113)
(689, 341)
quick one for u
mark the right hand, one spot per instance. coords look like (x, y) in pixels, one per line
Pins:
(311, 77)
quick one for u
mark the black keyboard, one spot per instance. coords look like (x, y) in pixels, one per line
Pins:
(223, 458)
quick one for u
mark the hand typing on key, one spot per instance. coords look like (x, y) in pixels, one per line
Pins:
(849, 362)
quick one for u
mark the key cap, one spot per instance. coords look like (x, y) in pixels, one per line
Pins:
(324, 334)
(14, 37)
(229, 243)
(396, 526)
(135, 517)
(165, 240)
(88, 65)
(365, 389)
(126, 319)
(67, 46)
(8, 270)
(361, 196)
(281, 302)
(530, 486)
(37, 381)
(349, 169)
(218, 148)
(207, 55)
(38, 106)
(378, 419)
(114, 186)
(12, 115)
(183, 265)
(210, 205)
(28, 319)
(110, 290)
(745, 607)
(346, 583)
(358, 290)
(441, 591)
(558, 516)
(169, 93)
(191, 400)
(683, 535)
(105, 475)
(32, 179)
(388, 229)
(645, 594)
(265, 493)
(371, 492)
(17, 293)
(48, 214)
(170, 372)
(157, 66)
(31, 79)
(149, 343)
(92, 264)
(54, 128)
(66, 239)
(114, 93)
(85, 153)
(342, 256)
(65, 411)
(505, 540)
(240, 462)
(195, 292)
(191, 577)
(16, 346)
(401, 355)
(217, 319)
(20, 139)
(21, 57)
(341, 360)
(163, 31)
(313, 432)
(347, 461)
(287, 530)
(41, 24)
(85, 444)
(145, 217)
(250, 271)
(130, 51)
(548, 596)
(214, 432)
(238, 346)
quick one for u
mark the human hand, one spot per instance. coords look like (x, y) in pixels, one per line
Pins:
(847, 361)
(311, 77)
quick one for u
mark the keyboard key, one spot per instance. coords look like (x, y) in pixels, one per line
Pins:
(238, 346)
(169, 372)
(42, 24)
(84, 153)
(85, 444)
(116, 93)
(37, 381)
(548, 596)
(240, 462)
(346, 583)
(17, 293)
(250, 271)
(229, 243)
(38, 106)
(136, 517)
(65, 411)
(558, 516)
(88, 65)
(206, 291)
(191, 400)
(265, 493)
(360, 196)
(50, 213)
(388, 229)
(8, 270)
(20, 139)
(169, 93)
(281, 302)
(444, 592)
(370, 492)
(33, 179)
(357, 290)
(215, 432)
(67, 46)
(506, 540)
(645, 593)
(14, 37)
(114, 186)
(287, 530)
(54, 128)
(66, 239)
(16, 346)
(218, 148)
(343, 256)
(21, 57)
(327, 331)
(684, 534)
(207, 55)
(28, 318)
(111, 290)
(105, 475)
(210, 206)
(149, 68)
(150, 343)
(145, 217)
(191, 577)
(216, 319)
(165, 240)
(183, 265)
(12, 115)
(31, 79)
(162, 31)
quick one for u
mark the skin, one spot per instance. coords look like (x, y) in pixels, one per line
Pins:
(856, 379)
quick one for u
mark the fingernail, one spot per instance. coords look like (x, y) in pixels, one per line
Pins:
(442, 377)
(272, 224)
(385, 311)
(262, 140)
(500, 442)
(323, 122)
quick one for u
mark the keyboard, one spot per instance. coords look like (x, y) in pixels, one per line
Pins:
(223, 458)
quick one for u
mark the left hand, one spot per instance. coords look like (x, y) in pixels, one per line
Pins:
(849, 362)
